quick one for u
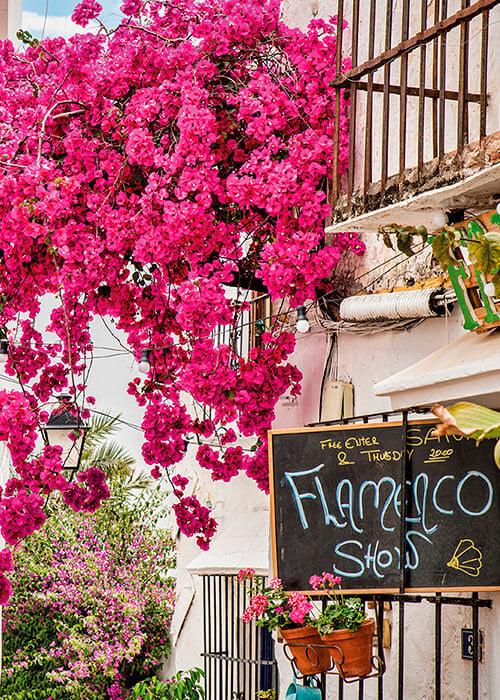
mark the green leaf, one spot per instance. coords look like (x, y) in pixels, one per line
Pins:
(496, 454)
(387, 240)
(476, 421)
(485, 252)
(422, 232)
(403, 242)
(496, 282)
(442, 247)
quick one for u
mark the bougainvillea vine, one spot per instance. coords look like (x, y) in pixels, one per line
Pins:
(151, 175)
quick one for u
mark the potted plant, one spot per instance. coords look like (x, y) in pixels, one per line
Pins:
(270, 606)
(344, 627)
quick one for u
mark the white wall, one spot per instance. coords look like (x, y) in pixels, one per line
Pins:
(10, 18)
(15, 18)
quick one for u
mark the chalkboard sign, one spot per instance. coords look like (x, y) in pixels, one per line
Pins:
(337, 506)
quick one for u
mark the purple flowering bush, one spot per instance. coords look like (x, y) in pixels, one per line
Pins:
(92, 602)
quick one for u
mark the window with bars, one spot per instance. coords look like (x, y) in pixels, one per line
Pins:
(247, 332)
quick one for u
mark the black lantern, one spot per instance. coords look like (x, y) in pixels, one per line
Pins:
(63, 429)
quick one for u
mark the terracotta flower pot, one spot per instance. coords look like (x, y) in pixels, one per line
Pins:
(355, 646)
(309, 653)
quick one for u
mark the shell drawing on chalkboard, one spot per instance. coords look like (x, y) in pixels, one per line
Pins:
(467, 558)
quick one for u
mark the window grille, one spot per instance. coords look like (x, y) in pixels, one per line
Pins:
(246, 333)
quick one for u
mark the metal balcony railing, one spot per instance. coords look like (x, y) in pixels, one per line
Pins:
(420, 87)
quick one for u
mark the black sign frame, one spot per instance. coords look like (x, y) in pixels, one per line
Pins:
(457, 572)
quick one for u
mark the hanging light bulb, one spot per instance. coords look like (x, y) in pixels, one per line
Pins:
(302, 324)
(440, 219)
(144, 364)
(4, 350)
(489, 289)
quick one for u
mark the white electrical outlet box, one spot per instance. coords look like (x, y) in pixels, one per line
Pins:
(337, 401)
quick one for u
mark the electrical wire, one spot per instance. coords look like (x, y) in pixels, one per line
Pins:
(138, 428)
(45, 19)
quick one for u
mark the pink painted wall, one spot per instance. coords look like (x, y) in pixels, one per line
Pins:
(309, 356)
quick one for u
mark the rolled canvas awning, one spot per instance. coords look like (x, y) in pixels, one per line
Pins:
(466, 369)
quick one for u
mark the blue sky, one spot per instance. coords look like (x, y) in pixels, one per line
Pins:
(59, 12)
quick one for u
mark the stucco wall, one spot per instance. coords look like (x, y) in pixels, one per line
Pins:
(10, 18)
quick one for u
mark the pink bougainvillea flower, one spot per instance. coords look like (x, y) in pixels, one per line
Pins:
(142, 191)
(85, 11)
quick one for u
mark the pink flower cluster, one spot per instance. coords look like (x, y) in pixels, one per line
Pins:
(85, 11)
(104, 580)
(300, 606)
(195, 519)
(6, 564)
(138, 191)
(326, 580)
(131, 7)
(245, 574)
(257, 607)
(87, 499)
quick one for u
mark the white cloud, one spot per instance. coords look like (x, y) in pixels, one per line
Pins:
(54, 26)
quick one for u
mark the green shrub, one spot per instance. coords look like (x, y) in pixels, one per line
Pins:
(185, 685)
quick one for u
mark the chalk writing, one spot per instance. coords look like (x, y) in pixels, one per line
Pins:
(343, 461)
(438, 455)
(353, 558)
(330, 445)
(361, 441)
(346, 507)
(338, 506)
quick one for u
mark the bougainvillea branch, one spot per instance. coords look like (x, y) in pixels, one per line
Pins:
(144, 172)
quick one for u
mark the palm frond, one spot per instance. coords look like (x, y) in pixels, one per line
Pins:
(101, 427)
(136, 482)
(112, 458)
(109, 453)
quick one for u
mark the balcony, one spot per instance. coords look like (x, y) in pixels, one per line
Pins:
(424, 110)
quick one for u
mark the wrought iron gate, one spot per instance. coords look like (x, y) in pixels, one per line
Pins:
(402, 601)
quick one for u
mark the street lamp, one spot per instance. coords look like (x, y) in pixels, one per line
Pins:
(58, 431)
